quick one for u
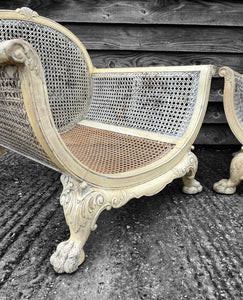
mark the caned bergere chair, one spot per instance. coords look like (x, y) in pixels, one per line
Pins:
(114, 134)
(233, 107)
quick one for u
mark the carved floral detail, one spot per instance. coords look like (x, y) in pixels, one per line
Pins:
(81, 203)
(27, 13)
(123, 198)
(187, 165)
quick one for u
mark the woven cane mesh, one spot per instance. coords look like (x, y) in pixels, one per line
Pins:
(160, 102)
(66, 71)
(238, 98)
(109, 152)
(15, 130)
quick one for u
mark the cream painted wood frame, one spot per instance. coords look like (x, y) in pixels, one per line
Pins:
(33, 83)
(87, 193)
(73, 167)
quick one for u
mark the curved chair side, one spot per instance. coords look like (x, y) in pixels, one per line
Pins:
(183, 144)
(23, 55)
(228, 186)
(229, 108)
(67, 65)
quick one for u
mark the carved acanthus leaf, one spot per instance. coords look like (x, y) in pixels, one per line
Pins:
(123, 198)
(188, 164)
(81, 203)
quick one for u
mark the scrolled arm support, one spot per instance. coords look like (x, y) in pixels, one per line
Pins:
(13, 51)
(229, 75)
(20, 52)
(226, 72)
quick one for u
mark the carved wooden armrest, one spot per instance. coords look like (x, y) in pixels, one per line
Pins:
(17, 52)
(24, 84)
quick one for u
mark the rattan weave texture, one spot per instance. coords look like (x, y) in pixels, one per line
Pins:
(109, 152)
(15, 129)
(160, 102)
(66, 70)
(238, 98)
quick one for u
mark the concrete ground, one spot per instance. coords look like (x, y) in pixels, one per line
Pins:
(169, 246)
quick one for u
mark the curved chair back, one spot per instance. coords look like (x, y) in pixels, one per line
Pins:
(64, 59)
(66, 67)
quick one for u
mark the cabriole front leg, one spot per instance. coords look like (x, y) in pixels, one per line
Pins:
(191, 185)
(228, 186)
(82, 205)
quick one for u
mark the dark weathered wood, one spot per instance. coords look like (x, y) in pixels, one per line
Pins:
(217, 90)
(159, 37)
(126, 59)
(216, 95)
(215, 114)
(214, 134)
(227, 13)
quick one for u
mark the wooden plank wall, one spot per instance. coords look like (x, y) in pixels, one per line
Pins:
(140, 33)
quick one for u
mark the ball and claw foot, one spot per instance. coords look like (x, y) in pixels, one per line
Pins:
(224, 186)
(193, 187)
(68, 256)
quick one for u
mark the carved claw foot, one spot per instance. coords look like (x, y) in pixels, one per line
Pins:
(224, 186)
(68, 256)
(82, 204)
(191, 185)
(193, 188)
(228, 186)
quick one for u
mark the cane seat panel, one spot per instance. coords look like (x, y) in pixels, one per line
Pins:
(108, 152)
